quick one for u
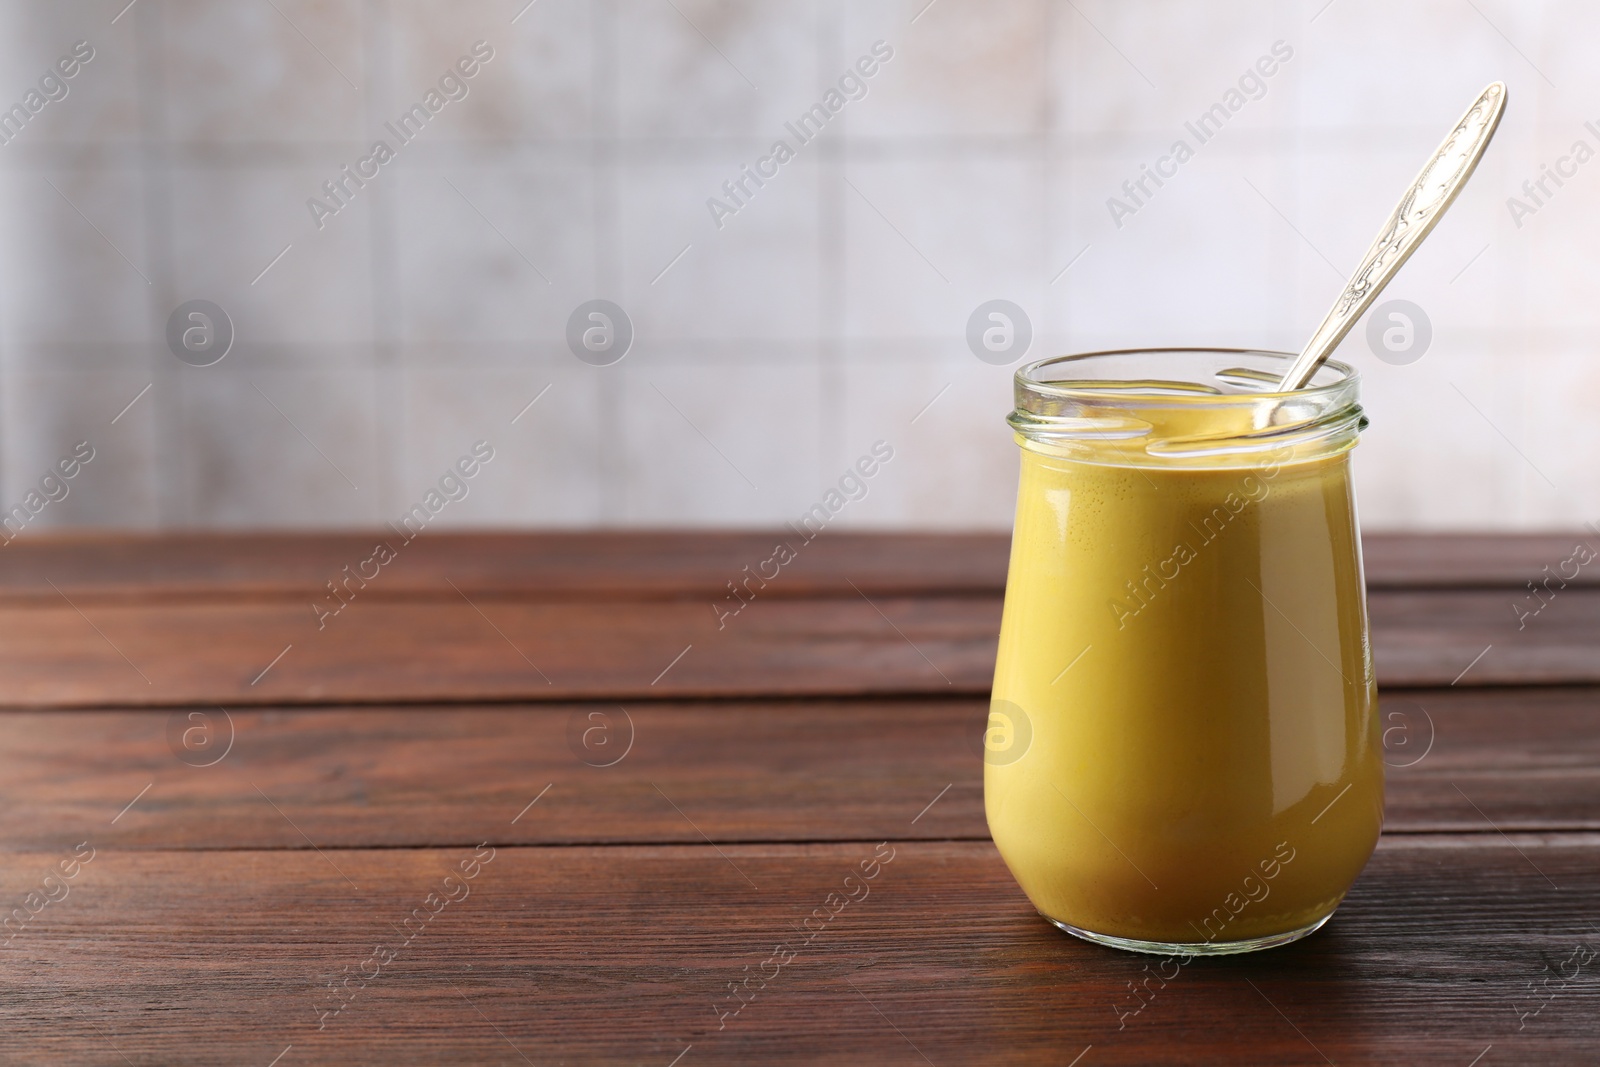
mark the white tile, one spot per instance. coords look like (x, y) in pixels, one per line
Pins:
(1566, 27)
(703, 68)
(77, 265)
(229, 225)
(943, 412)
(537, 83)
(1205, 260)
(546, 468)
(717, 444)
(755, 276)
(1140, 69)
(822, 316)
(1362, 69)
(928, 240)
(960, 70)
(291, 70)
(48, 414)
(279, 447)
(1437, 455)
(501, 253)
(1555, 248)
(1560, 385)
(101, 104)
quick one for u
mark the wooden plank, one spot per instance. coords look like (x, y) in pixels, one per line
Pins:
(1491, 759)
(633, 565)
(1485, 637)
(594, 955)
(1468, 761)
(652, 564)
(1459, 560)
(424, 776)
(204, 653)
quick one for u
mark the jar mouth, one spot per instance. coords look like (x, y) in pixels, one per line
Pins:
(1171, 405)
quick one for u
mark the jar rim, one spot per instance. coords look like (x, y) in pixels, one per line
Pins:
(1343, 374)
(1184, 405)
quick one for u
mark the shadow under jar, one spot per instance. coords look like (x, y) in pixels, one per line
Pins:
(1183, 754)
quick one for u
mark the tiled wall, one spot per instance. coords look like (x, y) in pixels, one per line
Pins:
(828, 313)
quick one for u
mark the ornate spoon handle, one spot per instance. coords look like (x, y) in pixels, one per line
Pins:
(1434, 190)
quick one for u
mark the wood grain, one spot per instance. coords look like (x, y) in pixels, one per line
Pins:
(744, 771)
(649, 564)
(624, 955)
(841, 708)
(1467, 560)
(386, 777)
(203, 653)
(207, 653)
(633, 565)
(1430, 637)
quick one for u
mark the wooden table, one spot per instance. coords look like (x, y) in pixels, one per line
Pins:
(521, 800)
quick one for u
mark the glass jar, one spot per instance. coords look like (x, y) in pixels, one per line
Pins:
(1183, 754)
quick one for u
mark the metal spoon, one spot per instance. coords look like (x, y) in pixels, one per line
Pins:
(1434, 190)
